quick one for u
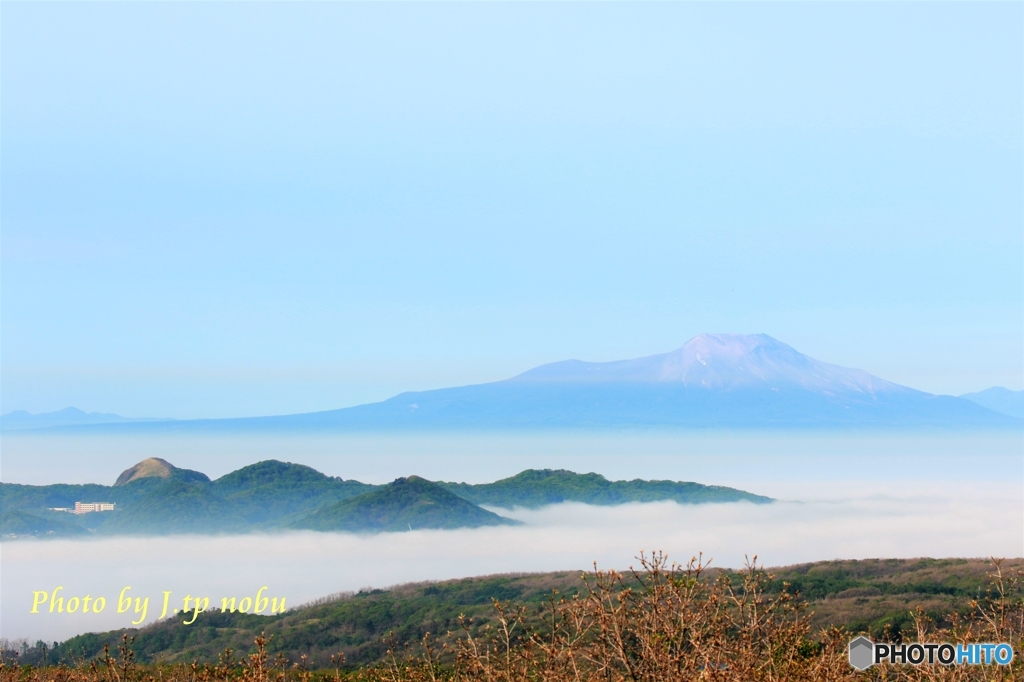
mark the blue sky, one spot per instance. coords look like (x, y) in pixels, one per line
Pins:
(221, 209)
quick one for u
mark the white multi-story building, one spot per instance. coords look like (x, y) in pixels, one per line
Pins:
(86, 507)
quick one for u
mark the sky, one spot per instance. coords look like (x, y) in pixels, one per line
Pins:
(230, 209)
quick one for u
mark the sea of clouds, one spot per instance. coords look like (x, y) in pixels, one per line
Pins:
(831, 520)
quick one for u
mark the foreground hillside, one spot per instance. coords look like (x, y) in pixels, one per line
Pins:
(873, 596)
(154, 497)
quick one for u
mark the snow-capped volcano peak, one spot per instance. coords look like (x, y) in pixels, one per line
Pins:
(721, 361)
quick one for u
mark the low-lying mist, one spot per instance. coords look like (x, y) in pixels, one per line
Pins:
(834, 520)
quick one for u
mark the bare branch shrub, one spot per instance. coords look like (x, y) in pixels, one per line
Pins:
(661, 622)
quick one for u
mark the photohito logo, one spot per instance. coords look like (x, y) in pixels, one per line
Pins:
(864, 653)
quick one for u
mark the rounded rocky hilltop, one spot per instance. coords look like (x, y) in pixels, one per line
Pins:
(154, 467)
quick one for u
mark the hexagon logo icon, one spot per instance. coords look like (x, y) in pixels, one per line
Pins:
(862, 653)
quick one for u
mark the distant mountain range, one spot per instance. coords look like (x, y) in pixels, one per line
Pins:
(714, 380)
(69, 416)
(999, 399)
(156, 498)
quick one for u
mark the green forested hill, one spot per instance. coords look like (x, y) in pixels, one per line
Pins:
(175, 507)
(539, 487)
(43, 523)
(411, 503)
(36, 497)
(176, 501)
(267, 491)
(155, 497)
(34, 501)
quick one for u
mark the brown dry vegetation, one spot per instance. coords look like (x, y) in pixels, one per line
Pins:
(885, 592)
(661, 622)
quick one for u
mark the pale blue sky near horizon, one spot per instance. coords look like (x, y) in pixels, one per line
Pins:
(230, 209)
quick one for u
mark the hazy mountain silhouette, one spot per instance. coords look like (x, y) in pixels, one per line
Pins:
(69, 416)
(713, 381)
(999, 399)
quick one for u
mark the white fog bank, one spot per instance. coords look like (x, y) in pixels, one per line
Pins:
(834, 521)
